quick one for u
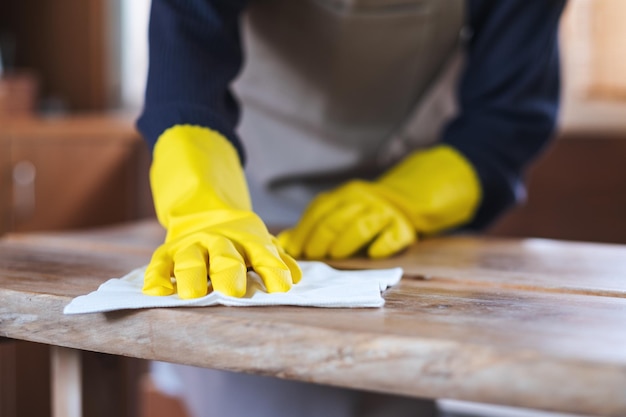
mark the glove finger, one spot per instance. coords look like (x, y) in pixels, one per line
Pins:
(190, 270)
(296, 239)
(267, 262)
(330, 228)
(294, 268)
(157, 279)
(360, 232)
(395, 237)
(284, 237)
(227, 268)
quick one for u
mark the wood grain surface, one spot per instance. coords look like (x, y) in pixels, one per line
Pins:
(529, 323)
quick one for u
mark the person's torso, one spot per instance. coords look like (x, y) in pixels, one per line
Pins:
(327, 83)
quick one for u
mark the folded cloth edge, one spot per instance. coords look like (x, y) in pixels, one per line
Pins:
(126, 293)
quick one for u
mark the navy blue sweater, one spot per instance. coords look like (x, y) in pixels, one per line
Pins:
(508, 94)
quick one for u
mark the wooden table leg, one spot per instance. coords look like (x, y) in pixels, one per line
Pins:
(66, 382)
(8, 391)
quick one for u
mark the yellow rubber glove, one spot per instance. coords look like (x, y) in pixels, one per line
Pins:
(429, 191)
(201, 198)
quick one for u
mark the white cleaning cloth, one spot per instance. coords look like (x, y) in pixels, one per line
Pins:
(321, 286)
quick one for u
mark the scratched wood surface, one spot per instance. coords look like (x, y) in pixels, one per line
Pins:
(530, 323)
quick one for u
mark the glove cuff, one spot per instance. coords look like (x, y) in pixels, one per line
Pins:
(195, 169)
(436, 188)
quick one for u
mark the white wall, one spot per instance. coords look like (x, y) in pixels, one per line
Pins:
(134, 51)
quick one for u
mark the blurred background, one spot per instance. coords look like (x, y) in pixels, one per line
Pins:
(71, 85)
(72, 74)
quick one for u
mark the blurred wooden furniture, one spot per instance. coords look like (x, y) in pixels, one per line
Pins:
(71, 172)
(18, 94)
(58, 174)
(576, 191)
(73, 46)
(529, 323)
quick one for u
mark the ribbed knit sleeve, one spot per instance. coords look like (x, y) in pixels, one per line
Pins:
(508, 95)
(194, 55)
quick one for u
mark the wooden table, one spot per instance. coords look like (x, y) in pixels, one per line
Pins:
(529, 323)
